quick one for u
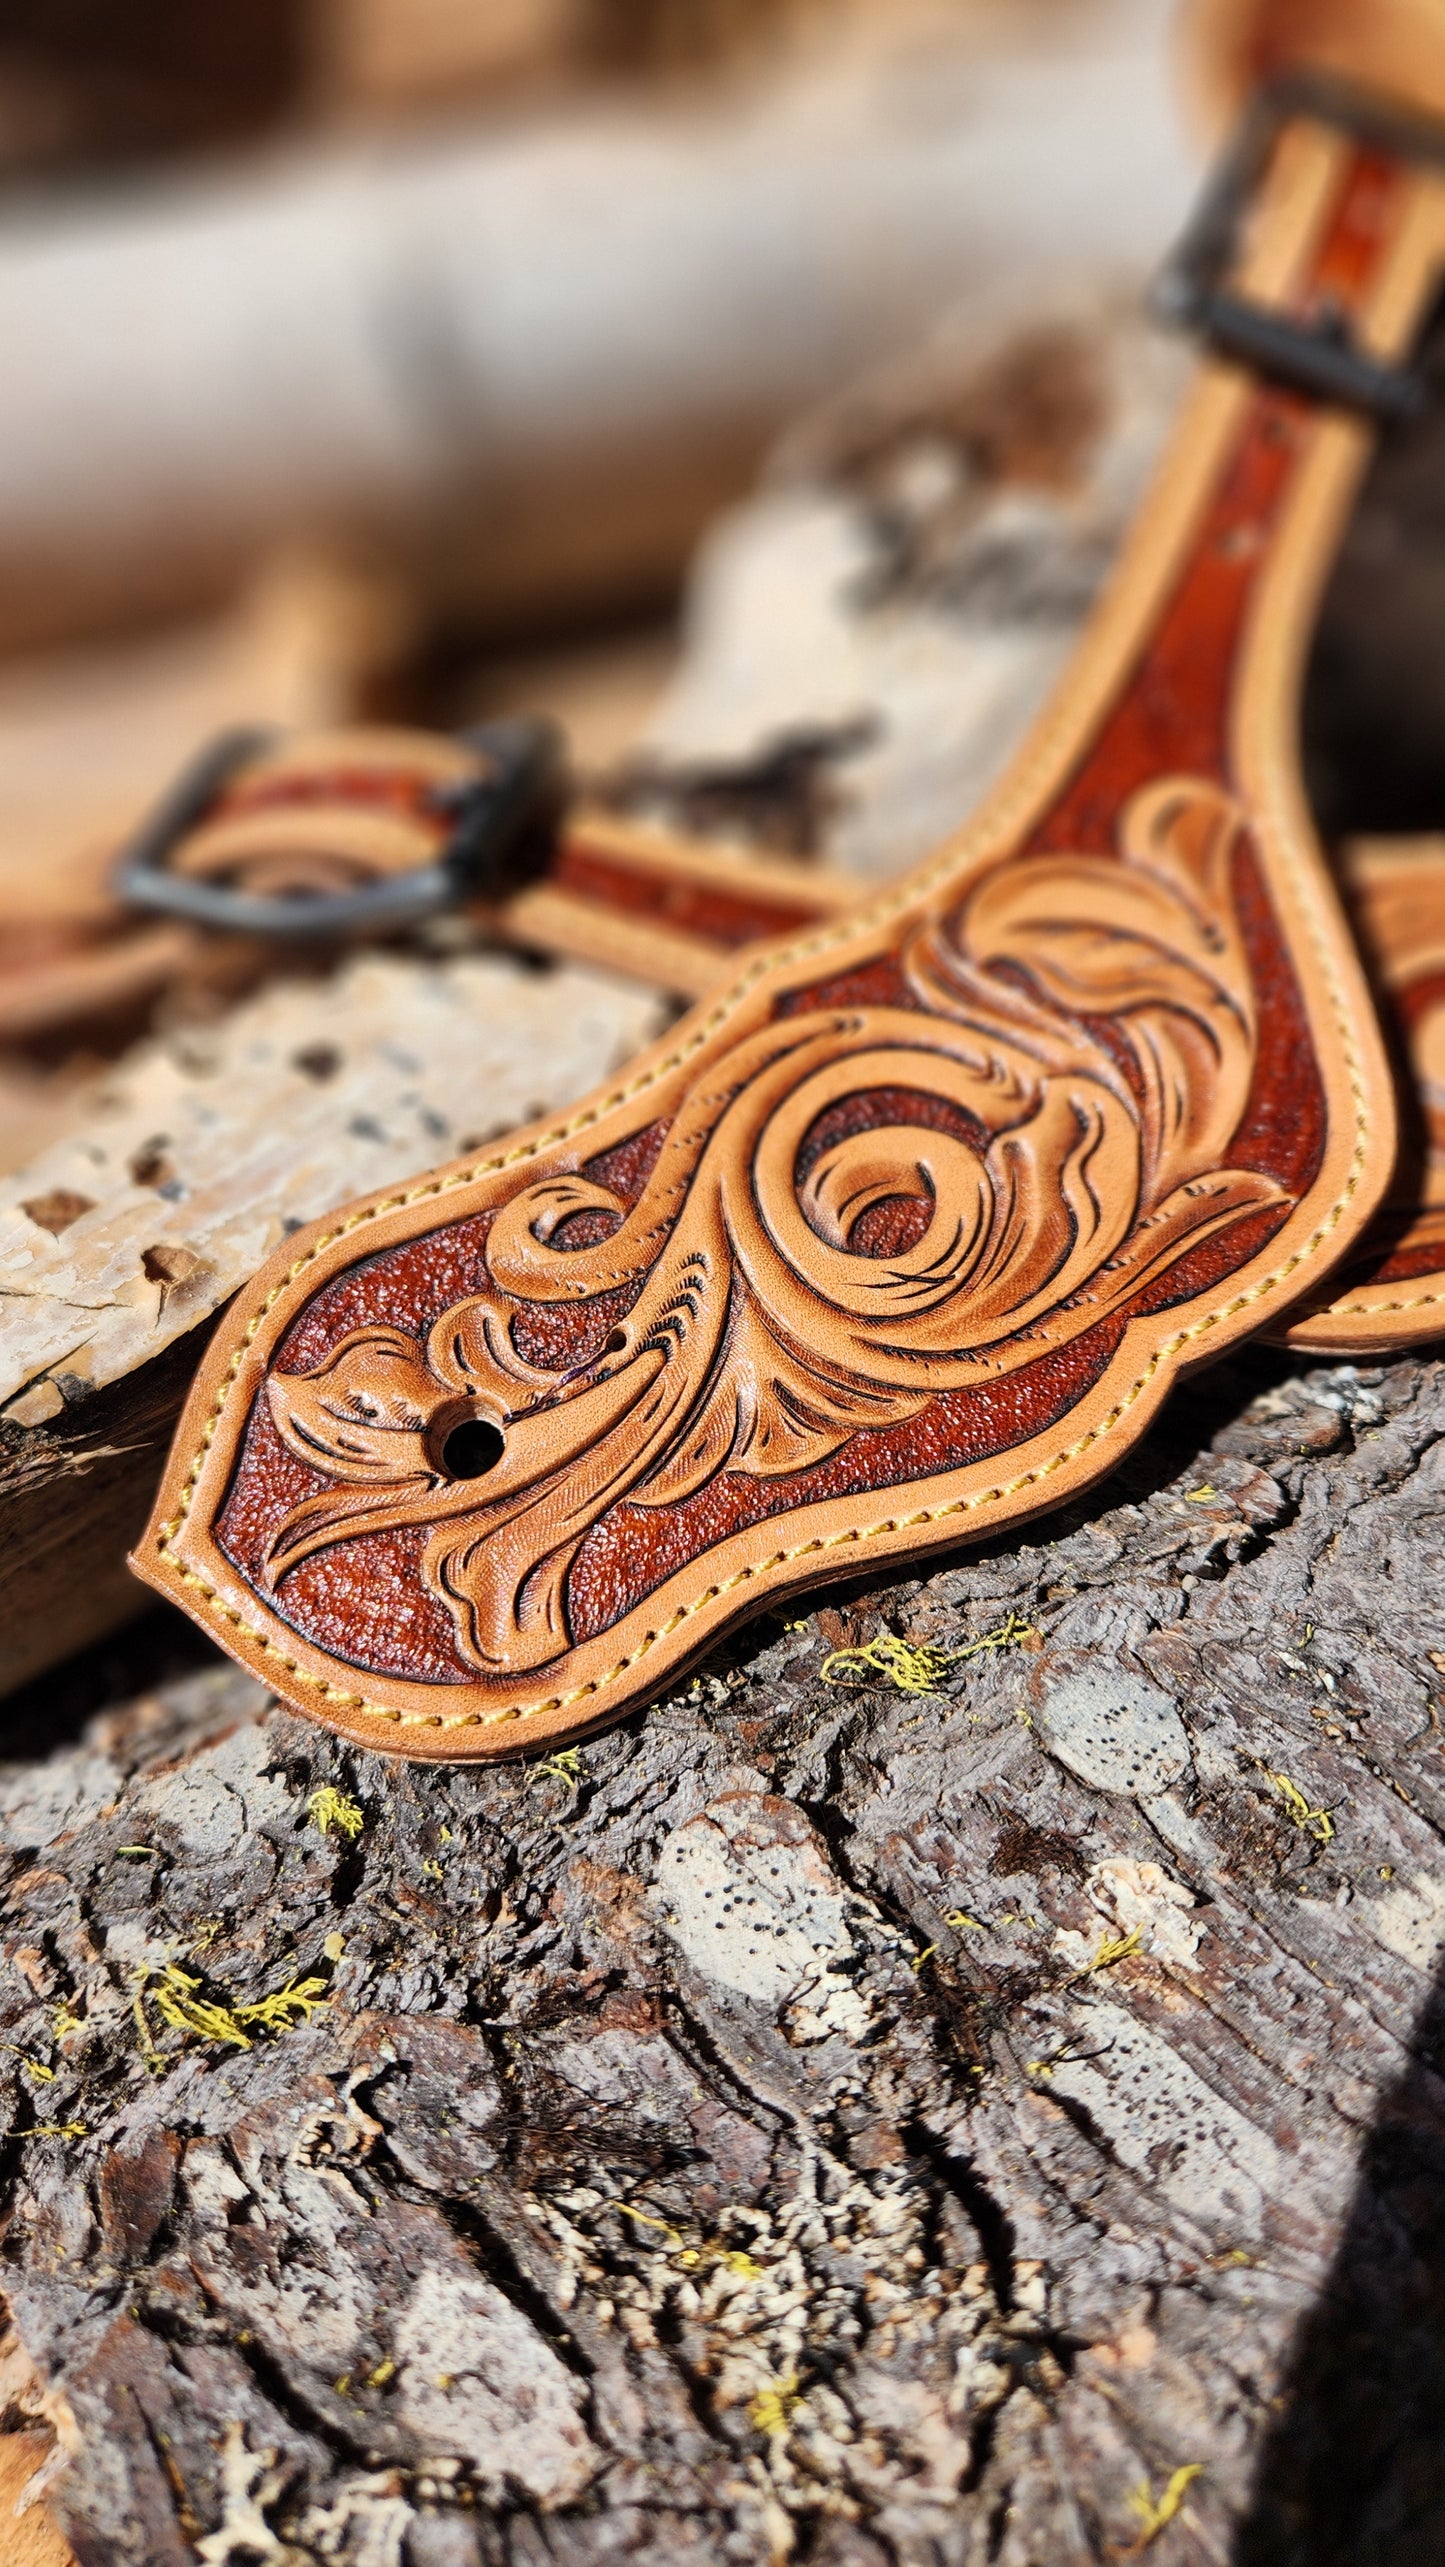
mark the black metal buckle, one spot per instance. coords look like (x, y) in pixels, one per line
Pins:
(521, 791)
(1320, 358)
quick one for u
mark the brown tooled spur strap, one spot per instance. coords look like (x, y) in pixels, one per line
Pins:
(904, 1233)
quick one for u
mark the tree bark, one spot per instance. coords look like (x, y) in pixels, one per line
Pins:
(828, 2122)
(1000, 2121)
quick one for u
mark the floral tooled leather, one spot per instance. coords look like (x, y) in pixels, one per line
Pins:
(901, 1238)
(1035, 1131)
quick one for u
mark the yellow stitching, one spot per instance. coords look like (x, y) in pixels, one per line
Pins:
(817, 1544)
(1372, 1309)
(821, 1542)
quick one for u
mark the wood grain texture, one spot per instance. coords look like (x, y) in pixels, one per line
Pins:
(713, 1320)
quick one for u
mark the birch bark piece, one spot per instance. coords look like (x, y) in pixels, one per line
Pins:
(912, 577)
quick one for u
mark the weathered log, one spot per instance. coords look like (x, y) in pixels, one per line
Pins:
(819, 2120)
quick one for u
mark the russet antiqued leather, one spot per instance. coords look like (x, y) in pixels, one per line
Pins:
(903, 1235)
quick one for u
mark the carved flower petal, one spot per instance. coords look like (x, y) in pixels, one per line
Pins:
(1078, 1162)
(501, 1565)
(772, 1411)
(1200, 1209)
(365, 1413)
(338, 1515)
(471, 1347)
(505, 1620)
(1156, 944)
(520, 1253)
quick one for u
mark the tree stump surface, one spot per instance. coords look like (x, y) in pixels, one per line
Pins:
(998, 2121)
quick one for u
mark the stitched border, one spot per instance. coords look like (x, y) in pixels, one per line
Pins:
(1371, 1309)
(894, 1524)
(434, 1188)
(982, 1499)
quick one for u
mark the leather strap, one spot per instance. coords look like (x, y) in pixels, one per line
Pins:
(905, 1234)
(335, 815)
(676, 913)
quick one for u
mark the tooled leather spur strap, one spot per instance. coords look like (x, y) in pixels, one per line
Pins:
(905, 1234)
(360, 829)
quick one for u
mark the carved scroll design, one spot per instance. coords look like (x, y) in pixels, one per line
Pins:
(1035, 1133)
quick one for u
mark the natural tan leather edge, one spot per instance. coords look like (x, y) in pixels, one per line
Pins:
(1397, 896)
